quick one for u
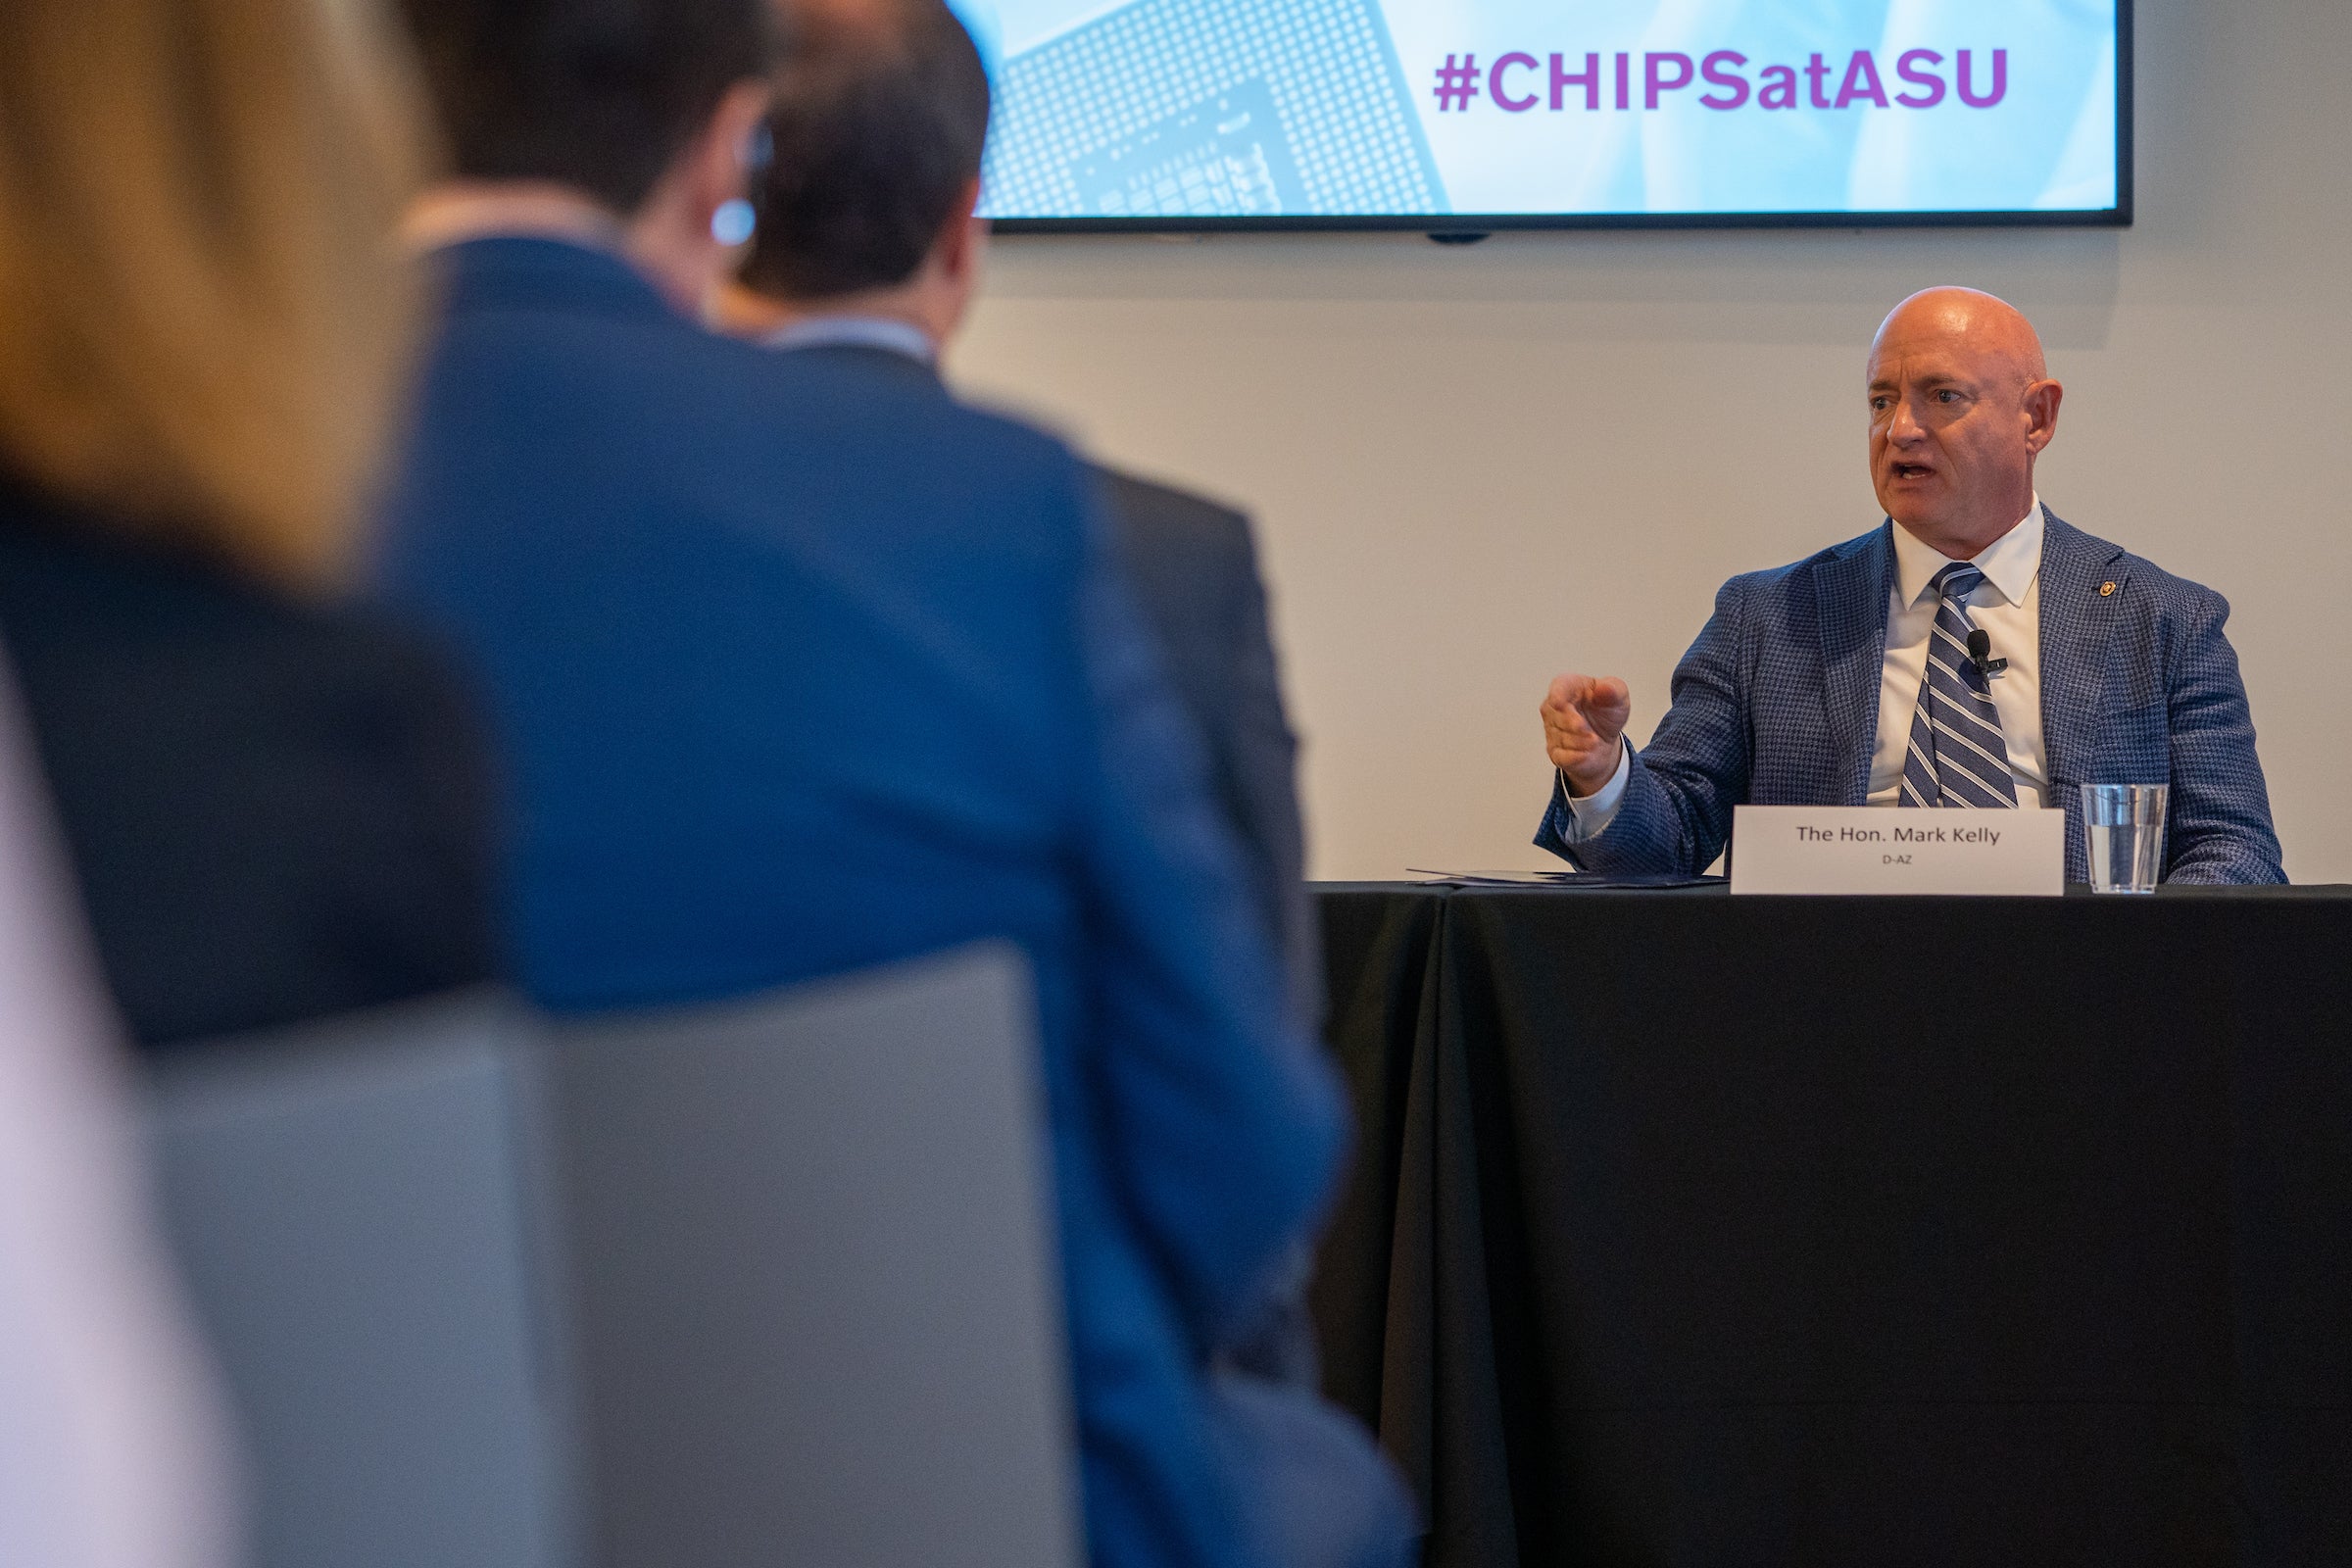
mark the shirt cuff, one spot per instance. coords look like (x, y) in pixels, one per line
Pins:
(1589, 816)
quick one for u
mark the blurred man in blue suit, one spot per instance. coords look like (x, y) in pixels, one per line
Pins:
(868, 248)
(802, 667)
(1973, 651)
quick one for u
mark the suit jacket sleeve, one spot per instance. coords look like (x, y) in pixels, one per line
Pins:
(1224, 1126)
(2218, 815)
(1679, 792)
(1265, 788)
(1193, 567)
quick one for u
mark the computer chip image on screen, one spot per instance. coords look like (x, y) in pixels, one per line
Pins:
(1211, 109)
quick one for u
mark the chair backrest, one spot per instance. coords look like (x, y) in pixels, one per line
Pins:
(350, 1206)
(813, 1276)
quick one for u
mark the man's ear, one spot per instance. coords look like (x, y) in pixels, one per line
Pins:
(2041, 414)
(722, 162)
(963, 238)
(669, 237)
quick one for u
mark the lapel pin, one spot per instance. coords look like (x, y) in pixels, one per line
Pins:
(2106, 589)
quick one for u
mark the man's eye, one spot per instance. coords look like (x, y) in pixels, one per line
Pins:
(1947, 395)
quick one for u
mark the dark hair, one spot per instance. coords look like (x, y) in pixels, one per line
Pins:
(601, 95)
(879, 124)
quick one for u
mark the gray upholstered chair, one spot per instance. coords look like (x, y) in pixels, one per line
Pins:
(816, 1303)
(350, 1205)
(772, 1282)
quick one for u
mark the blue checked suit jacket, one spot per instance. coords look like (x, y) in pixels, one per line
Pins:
(1777, 703)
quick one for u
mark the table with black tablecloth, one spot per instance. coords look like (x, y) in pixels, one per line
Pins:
(1691, 1229)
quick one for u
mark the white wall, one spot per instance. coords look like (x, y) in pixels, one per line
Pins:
(1473, 467)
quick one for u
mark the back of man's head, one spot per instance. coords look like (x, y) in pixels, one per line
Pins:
(880, 119)
(598, 95)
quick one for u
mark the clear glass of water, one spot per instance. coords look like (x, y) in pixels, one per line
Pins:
(2124, 826)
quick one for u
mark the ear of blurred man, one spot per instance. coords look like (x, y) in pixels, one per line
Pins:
(961, 259)
(673, 238)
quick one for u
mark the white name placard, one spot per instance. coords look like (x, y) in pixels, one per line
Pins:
(1879, 849)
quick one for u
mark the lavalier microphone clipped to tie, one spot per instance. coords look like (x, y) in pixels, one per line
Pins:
(1980, 649)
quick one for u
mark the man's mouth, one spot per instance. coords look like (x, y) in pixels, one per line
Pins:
(1911, 471)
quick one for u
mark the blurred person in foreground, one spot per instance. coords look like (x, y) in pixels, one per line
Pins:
(868, 245)
(111, 1448)
(803, 668)
(274, 804)
(868, 249)
(1850, 679)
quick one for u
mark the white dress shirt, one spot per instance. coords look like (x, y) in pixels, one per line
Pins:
(856, 332)
(2006, 606)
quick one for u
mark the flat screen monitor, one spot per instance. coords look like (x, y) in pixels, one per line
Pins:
(1464, 116)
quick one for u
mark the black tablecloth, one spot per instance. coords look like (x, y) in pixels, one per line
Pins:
(1688, 1229)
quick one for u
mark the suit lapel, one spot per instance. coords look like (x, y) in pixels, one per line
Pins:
(2077, 620)
(1849, 589)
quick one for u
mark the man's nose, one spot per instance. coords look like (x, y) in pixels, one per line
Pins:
(1902, 425)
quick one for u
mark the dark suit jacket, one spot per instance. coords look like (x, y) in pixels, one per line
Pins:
(803, 667)
(1195, 566)
(1777, 703)
(275, 812)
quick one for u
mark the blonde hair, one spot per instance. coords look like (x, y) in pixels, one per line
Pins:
(204, 316)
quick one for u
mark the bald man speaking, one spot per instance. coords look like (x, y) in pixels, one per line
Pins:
(1847, 679)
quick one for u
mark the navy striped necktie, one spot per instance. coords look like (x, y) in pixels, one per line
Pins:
(1957, 757)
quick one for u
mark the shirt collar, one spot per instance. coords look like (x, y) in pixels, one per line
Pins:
(857, 332)
(2010, 563)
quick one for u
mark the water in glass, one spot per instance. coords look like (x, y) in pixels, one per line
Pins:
(2124, 829)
